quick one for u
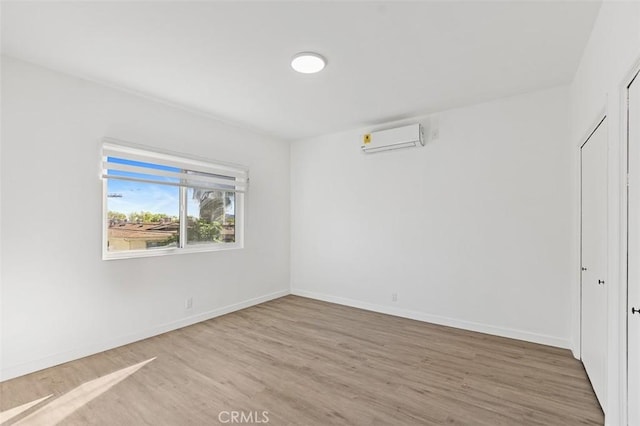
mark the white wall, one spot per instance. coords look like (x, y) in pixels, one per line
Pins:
(1, 298)
(473, 230)
(612, 52)
(60, 301)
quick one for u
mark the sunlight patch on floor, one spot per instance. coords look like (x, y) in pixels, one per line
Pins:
(13, 412)
(60, 408)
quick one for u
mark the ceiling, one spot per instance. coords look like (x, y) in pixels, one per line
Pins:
(386, 60)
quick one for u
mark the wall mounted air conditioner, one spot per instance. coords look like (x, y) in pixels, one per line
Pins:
(399, 137)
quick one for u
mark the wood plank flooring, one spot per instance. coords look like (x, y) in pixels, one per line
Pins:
(297, 361)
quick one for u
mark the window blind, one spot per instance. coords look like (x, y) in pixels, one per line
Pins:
(122, 160)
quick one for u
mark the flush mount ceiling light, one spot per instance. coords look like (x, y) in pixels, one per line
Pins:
(308, 62)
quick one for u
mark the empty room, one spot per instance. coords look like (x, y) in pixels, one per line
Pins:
(320, 213)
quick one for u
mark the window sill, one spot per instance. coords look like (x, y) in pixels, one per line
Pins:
(169, 251)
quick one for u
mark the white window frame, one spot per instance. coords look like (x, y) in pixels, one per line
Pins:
(183, 247)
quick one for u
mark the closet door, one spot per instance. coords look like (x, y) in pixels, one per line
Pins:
(633, 313)
(594, 259)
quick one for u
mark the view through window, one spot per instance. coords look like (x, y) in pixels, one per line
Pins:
(153, 206)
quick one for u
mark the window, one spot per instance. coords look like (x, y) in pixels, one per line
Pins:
(158, 203)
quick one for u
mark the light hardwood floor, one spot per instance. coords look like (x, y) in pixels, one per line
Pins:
(306, 362)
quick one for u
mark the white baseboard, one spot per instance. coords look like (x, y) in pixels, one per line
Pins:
(49, 361)
(575, 351)
(13, 371)
(436, 319)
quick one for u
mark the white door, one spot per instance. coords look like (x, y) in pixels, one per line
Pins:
(633, 318)
(594, 259)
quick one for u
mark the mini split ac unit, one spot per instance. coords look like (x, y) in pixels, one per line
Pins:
(400, 137)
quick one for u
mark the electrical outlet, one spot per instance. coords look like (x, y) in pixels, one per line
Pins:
(394, 297)
(188, 304)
